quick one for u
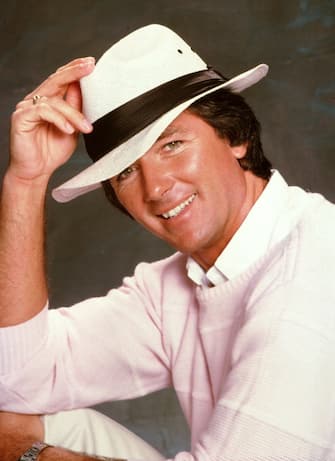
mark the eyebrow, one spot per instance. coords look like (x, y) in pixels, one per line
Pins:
(169, 131)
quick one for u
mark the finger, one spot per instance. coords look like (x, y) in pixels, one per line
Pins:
(72, 72)
(28, 102)
(74, 116)
(73, 96)
(57, 83)
(26, 120)
(74, 62)
(69, 111)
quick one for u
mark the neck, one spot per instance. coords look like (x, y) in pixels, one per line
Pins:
(254, 187)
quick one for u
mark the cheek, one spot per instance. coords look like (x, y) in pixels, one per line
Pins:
(130, 205)
(190, 166)
(128, 198)
(134, 203)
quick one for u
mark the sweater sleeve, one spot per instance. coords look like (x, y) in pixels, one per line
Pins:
(97, 350)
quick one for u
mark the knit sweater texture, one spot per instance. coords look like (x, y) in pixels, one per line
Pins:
(251, 359)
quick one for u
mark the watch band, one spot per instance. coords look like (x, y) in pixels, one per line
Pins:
(32, 453)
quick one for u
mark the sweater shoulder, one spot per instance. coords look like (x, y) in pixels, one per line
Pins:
(319, 215)
(164, 282)
(302, 263)
(314, 234)
(308, 248)
(173, 266)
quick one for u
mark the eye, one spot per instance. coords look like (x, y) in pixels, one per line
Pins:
(173, 145)
(126, 173)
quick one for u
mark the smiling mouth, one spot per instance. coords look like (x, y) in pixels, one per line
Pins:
(178, 209)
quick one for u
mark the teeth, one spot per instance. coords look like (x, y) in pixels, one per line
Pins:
(175, 211)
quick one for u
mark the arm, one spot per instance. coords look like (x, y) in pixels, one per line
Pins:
(43, 137)
(66, 340)
(59, 454)
(18, 433)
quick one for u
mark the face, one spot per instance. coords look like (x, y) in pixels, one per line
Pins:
(189, 189)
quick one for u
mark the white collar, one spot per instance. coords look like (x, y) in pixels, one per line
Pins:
(252, 239)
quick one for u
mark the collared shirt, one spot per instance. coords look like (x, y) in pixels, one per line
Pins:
(250, 241)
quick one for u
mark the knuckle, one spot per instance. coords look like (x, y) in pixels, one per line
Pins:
(67, 65)
(29, 96)
(15, 115)
(41, 106)
(19, 105)
(49, 78)
(60, 69)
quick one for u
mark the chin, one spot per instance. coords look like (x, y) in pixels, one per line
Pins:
(187, 246)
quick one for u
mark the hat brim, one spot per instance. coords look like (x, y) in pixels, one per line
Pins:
(127, 153)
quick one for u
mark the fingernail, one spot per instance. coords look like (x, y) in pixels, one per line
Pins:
(86, 125)
(87, 61)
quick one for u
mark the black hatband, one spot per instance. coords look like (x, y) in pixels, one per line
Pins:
(121, 124)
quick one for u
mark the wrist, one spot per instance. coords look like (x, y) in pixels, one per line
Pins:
(34, 451)
(20, 196)
(52, 453)
(11, 179)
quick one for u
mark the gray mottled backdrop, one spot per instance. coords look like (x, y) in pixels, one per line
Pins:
(90, 246)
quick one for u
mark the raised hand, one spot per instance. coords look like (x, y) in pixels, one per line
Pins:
(44, 132)
(46, 123)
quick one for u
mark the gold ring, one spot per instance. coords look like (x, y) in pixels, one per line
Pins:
(36, 98)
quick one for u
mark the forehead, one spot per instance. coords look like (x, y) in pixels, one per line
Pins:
(185, 123)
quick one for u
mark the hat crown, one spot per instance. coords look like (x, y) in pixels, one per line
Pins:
(141, 61)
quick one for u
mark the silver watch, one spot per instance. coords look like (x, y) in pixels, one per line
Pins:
(32, 453)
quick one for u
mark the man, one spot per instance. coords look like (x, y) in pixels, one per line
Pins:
(240, 320)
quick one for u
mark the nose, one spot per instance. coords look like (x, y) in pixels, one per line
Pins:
(156, 179)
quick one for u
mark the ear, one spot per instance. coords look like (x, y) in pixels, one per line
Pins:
(240, 150)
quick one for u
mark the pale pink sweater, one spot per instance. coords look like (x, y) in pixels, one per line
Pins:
(252, 360)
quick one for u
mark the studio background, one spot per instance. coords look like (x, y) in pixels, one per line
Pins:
(92, 246)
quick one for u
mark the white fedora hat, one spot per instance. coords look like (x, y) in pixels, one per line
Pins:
(138, 87)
